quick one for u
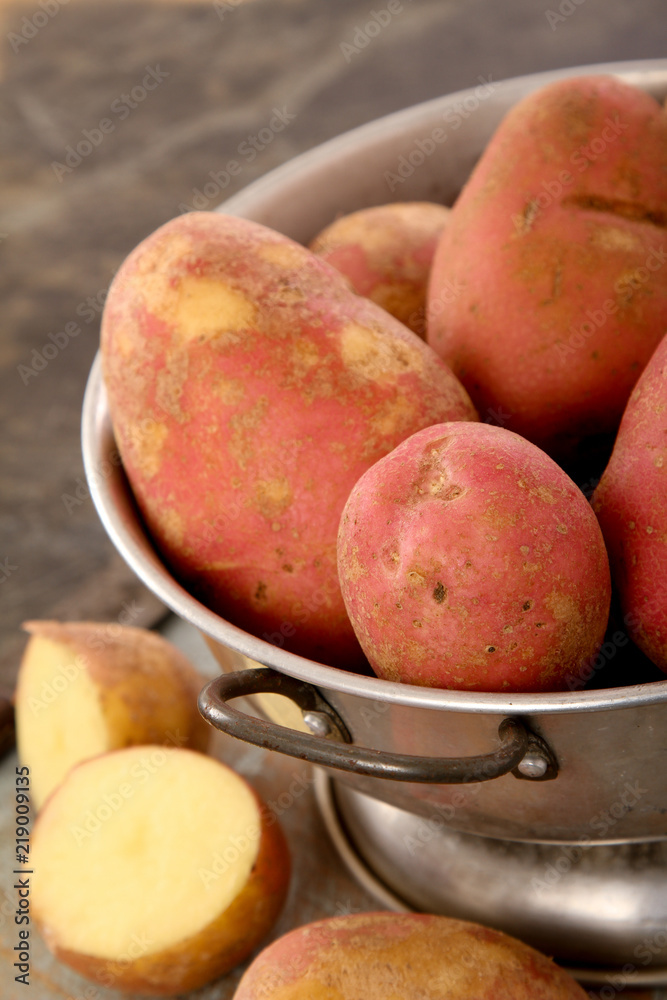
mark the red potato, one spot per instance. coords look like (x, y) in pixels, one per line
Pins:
(468, 559)
(402, 956)
(387, 252)
(631, 505)
(159, 870)
(556, 249)
(249, 389)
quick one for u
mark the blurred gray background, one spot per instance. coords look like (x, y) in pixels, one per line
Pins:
(183, 88)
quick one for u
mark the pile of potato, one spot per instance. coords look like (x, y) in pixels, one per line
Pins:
(360, 452)
(255, 396)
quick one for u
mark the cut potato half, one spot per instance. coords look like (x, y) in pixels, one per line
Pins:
(158, 868)
(85, 688)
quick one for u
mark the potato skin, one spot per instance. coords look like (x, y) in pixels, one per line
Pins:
(249, 389)
(468, 559)
(386, 252)
(150, 688)
(556, 248)
(411, 956)
(631, 506)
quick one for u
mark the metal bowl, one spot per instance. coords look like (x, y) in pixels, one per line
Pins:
(586, 766)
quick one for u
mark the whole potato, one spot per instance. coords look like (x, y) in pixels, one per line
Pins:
(249, 389)
(402, 956)
(631, 506)
(386, 252)
(468, 559)
(548, 290)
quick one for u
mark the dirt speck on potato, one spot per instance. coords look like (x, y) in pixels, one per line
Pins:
(273, 496)
(562, 607)
(304, 356)
(169, 385)
(439, 593)
(354, 569)
(545, 494)
(391, 417)
(229, 391)
(244, 426)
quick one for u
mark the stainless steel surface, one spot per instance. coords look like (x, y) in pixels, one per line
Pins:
(582, 903)
(326, 803)
(331, 746)
(318, 723)
(609, 743)
(533, 765)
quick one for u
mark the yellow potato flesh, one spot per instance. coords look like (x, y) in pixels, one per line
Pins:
(59, 716)
(140, 849)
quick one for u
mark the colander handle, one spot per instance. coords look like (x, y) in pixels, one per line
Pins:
(334, 747)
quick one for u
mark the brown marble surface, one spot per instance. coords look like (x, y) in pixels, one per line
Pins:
(218, 70)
